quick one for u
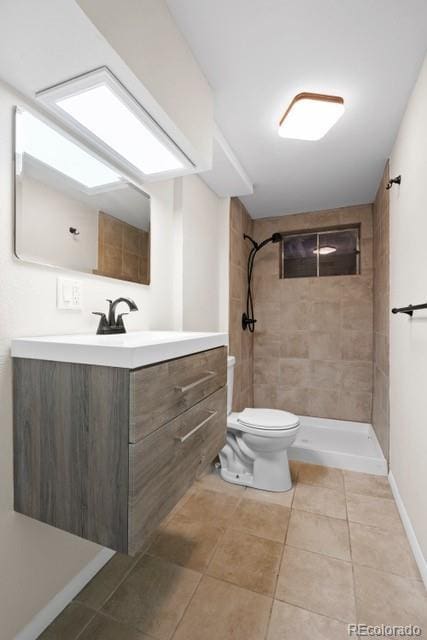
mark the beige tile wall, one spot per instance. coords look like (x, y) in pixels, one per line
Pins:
(240, 342)
(381, 236)
(313, 344)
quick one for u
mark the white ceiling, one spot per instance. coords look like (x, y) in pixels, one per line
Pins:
(258, 54)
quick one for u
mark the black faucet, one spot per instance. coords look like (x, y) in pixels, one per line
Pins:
(111, 324)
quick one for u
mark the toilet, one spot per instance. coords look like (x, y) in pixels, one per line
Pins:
(256, 449)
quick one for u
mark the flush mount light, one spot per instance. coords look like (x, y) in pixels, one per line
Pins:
(40, 141)
(310, 116)
(101, 108)
(324, 251)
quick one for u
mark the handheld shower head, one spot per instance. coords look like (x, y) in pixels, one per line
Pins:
(248, 320)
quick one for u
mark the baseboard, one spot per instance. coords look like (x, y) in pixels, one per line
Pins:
(410, 532)
(58, 603)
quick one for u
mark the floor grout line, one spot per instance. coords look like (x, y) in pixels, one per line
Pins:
(356, 606)
(88, 623)
(323, 615)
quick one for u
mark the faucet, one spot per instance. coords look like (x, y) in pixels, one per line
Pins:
(111, 324)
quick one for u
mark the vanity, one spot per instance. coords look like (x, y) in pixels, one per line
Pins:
(111, 431)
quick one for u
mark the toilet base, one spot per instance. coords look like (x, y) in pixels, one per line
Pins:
(268, 471)
(245, 479)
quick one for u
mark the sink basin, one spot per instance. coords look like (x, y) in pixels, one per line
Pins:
(128, 350)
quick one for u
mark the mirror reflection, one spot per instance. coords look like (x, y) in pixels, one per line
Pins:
(73, 210)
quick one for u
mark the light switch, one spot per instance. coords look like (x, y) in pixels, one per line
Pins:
(68, 294)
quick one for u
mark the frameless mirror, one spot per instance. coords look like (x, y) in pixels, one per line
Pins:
(73, 210)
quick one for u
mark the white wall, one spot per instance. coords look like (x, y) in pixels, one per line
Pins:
(49, 213)
(204, 220)
(408, 337)
(36, 561)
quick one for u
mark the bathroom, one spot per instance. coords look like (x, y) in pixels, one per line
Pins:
(343, 540)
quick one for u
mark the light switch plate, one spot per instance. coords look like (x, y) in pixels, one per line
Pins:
(68, 294)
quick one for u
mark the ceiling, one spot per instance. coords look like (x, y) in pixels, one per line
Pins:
(258, 54)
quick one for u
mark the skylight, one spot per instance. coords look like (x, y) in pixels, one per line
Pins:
(105, 115)
(45, 144)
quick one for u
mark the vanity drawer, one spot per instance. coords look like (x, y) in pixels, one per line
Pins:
(163, 465)
(163, 391)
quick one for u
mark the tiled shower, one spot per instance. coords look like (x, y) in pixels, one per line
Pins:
(320, 345)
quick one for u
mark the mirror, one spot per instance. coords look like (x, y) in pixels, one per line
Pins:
(74, 210)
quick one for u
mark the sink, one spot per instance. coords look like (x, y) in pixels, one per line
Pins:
(128, 350)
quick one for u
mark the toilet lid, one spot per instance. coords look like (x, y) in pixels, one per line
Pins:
(268, 419)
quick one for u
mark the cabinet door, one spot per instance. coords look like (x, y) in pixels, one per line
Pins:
(163, 465)
(161, 392)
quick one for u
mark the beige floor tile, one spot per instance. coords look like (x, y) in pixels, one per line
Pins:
(189, 543)
(214, 482)
(291, 623)
(318, 583)
(153, 597)
(367, 484)
(283, 498)
(209, 506)
(103, 628)
(321, 476)
(294, 466)
(248, 561)
(320, 534)
(383, 598)
(326, 502)
(220, 610)
(106, 581)
(383, 550)
(177, 508)
(69, 623)
(375, 512)
(261, 519)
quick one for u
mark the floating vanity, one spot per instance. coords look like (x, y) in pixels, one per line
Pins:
(110, 431)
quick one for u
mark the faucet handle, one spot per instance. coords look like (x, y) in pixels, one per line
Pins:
(119, 321)
(103, 323)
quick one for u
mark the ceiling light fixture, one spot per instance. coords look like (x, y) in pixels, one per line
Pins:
(50, 147)
(310, 116)
(101, 109)
(324, 251)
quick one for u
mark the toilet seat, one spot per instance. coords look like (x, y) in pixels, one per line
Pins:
(268, 419)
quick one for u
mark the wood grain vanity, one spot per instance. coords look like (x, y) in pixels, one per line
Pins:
(105, 452)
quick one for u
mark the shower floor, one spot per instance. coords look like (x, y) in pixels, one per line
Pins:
(338, 443)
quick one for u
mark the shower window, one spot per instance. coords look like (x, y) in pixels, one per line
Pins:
(330, 252)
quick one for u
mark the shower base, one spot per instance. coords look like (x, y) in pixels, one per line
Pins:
(338, 443)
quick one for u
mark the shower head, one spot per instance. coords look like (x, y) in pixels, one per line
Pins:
(276, 237)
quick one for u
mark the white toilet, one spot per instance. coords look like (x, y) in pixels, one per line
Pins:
(256, 451)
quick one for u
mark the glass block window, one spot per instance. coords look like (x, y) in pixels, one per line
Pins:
(331, 252)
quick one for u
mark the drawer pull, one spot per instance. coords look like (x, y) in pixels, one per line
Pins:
(211, 415)
(188, 387)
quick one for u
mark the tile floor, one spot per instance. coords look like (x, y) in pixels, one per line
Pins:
(231, 563)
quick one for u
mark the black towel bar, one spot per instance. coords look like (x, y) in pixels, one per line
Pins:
(409, 310)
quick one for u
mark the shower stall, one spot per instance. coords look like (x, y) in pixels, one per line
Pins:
(305, 310)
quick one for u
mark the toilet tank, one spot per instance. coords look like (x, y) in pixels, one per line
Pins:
(231, 361)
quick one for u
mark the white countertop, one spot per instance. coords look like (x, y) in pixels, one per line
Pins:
(127, 350)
